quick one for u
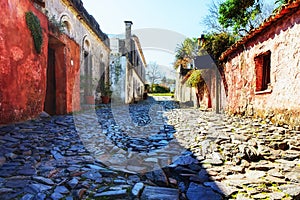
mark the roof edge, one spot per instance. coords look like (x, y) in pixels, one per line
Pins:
(286, 9)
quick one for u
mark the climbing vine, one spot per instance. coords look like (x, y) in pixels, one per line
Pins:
(35, 28)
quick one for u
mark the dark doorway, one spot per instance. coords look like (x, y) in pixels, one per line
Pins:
(50, 100)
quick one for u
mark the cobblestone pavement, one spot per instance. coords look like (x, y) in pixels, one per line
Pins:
(150, 150)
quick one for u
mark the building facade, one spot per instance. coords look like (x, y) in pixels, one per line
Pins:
(94, 44)
(212, 95)
(128, 67)
(45, 48)
(262, 70)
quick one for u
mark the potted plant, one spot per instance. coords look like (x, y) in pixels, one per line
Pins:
(87, 85)
(106, 94)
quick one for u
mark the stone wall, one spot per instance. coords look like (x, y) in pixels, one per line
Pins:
(281, 101)
(22, 69)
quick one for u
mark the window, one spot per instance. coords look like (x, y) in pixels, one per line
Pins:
(263, 70)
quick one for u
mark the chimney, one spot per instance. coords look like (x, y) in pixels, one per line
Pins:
(128, 36)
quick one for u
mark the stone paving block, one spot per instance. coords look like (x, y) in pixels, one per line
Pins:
(159, 193)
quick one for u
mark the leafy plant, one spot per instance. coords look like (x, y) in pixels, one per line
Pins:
(156, 88)
(238, 14)
(106, 90)
(35, 28)
(185, 52)
(195, 78)
(217, 43)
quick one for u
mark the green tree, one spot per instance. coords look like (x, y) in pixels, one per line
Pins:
(195, 80)
(216, 43)
(185, 52)
(247, 14)
(238, 14)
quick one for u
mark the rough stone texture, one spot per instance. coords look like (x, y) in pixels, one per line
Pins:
(199, 192)
(57, 164)
(158, 193)
(137, 189)
(282, 103)
(22, 70)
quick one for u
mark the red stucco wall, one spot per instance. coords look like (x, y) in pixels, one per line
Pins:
(22, 70)
(73, 75)
(282, 104)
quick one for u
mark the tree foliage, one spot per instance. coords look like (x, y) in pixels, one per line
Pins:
(216, 43)
(280, 3)
(195, 78)
(238, 14)
(185, 52)
(247, 14)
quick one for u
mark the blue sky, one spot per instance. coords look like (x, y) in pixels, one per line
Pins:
(177, 15)
(172, 17)
(160, 24)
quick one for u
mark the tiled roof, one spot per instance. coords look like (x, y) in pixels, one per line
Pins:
(139, 48)
(91, 21)
(285, 10)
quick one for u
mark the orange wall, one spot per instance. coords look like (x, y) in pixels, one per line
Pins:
(22, 70)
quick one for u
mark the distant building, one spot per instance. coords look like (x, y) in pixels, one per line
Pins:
(262, 70)
(183, 92)
(128, 66)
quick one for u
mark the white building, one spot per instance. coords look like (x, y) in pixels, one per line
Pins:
(127, 67)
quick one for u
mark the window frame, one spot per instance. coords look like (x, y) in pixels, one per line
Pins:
(263, 72)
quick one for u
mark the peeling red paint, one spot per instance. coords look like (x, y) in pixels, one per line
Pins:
(22, 70)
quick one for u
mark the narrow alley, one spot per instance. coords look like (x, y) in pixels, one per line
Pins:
(149, 150)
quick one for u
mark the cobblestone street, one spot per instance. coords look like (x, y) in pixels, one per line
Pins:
(150, 150)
